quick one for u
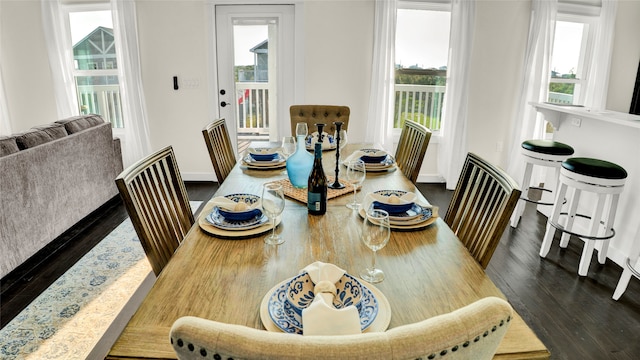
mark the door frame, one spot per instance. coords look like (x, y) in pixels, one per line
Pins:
(295, 90)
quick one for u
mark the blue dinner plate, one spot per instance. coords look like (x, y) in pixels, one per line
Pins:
(216, 219)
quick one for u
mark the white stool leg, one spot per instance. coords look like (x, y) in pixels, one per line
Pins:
(587, 250)
(553, 217)
(608, 225)
(624, 279)
(526, 181)
(571, 216)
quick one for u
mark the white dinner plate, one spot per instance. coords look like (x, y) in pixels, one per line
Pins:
(235, 234)
(411, 225)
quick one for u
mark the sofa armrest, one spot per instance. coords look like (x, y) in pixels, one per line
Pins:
(117, 156)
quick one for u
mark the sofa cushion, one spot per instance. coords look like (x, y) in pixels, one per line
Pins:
(55, 130)
(32, 138)
(8, 145)
(79, 123)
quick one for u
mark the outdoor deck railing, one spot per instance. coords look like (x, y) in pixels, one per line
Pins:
(252, 107)
(103, 100)
(420, 103)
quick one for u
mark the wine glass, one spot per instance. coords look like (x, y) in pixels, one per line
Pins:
(356, 172)
(288, 145)
(343, 138)
(302, 129)
(272, 206)
(375, 234)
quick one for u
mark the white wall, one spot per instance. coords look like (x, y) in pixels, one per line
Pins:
(338, 38)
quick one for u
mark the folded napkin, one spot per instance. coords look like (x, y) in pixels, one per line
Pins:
(230, 205)
(262, 151)
(321, 317)
(409, 197)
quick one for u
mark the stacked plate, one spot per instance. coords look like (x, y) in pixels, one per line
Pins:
(264, 159)
(244, 216)
(288, 318)
(376, 160)
(404, 212)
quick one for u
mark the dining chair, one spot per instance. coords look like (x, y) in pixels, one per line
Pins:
(471, 332)
(223, 158)
(157, 202)
(412, 146)
(319, 114)
(481, 206)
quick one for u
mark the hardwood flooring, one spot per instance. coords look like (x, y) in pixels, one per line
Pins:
(574, 316)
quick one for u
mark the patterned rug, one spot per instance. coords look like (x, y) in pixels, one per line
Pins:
(69, 318)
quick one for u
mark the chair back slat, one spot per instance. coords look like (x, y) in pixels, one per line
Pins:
(157, 202)
(412, 146)
(220, 148)
(481, 206)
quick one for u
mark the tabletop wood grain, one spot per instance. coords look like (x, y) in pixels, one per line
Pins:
(428, 272)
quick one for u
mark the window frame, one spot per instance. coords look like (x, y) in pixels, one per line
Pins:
(586, 54)
(67, 9)
(431, 5)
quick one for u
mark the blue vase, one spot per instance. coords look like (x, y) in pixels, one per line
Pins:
(299, 164)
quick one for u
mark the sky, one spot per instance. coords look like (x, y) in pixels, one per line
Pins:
(85, 22)
(246, 37)
(422, 38)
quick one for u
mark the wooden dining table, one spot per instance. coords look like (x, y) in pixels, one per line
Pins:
(428, 270)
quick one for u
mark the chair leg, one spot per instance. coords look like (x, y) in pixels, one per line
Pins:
(526, 181)
(594, 226)
(608, 226)
(622, 283)
(553, 217)
(571, 216)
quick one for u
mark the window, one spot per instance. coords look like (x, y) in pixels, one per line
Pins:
(421, 52)
(570, 59)
(95, 65)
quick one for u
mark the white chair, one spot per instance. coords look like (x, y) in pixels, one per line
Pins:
(472, 332)
(604, 179)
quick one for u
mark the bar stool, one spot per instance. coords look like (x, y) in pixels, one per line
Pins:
(602, 178)
(542, 153)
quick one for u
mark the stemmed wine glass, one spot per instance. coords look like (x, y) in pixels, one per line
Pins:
(375, 234)
(272, 206)
(288, 145)
(356, 172)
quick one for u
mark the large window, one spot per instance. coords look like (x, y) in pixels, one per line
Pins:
(421, 52)
(95, 68)
(570, 60)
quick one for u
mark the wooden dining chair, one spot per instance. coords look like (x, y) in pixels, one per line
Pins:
(412, 146)
(319, 114)
(472, 332)
(223, 158)
(481, 206)
(157, 202)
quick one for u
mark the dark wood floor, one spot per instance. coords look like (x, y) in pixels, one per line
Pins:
(574, 316)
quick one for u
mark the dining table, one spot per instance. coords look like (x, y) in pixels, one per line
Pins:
(212, 275)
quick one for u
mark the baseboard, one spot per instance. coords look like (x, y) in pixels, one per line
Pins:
(101, 349)
(430, 178)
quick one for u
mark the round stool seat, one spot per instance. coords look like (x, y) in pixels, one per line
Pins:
(547, 147)
(595, 168)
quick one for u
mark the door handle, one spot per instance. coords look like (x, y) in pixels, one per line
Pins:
(224, 103)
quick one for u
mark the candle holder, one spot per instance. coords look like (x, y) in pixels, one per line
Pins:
(336, 184)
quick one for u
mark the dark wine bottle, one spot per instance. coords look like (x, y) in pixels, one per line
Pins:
(317, 185)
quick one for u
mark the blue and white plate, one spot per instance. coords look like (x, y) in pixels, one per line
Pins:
(413, 213)
(279, 160)
(386, 164)
(373, 156)
(216, 219)
(242, 215)
(286, 319)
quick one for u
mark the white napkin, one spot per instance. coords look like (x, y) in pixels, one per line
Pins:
(321, 317)
(230, 205)
(409, 197)
(262, 151)
(325, 140)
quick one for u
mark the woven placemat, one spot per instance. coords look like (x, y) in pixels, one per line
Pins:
(301, 194)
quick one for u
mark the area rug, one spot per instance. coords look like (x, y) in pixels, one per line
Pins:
(69, 318)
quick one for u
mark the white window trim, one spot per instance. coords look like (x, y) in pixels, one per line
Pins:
(432, 5)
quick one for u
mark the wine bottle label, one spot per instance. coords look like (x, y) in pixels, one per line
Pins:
(314, 201)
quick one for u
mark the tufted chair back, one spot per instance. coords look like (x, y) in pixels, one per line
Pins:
(472, 332)
(319, 114)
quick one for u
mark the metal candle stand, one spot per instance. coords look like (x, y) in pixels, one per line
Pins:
(336, 184)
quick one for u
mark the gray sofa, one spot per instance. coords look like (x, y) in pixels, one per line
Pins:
(51, 177)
